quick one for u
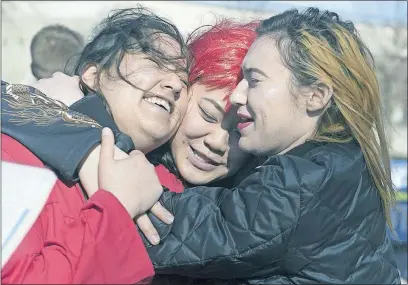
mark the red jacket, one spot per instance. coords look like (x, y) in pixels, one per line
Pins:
(78, 241)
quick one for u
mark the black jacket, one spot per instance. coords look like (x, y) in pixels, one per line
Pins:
(312, 215)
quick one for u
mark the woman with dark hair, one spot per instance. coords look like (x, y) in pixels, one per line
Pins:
(90, 237)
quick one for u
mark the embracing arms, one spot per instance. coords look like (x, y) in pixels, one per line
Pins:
(242, 232)
(228, 233)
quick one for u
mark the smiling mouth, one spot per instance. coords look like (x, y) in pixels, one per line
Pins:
(164, 104)
(202, 162)
(203, 158)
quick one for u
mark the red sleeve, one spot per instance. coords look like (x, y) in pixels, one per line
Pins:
(98, 245)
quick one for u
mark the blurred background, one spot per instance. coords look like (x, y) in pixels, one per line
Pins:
(382, 25)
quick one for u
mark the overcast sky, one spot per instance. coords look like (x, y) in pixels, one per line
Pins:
(376, 12)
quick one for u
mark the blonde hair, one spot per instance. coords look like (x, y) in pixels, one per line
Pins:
(318, 47)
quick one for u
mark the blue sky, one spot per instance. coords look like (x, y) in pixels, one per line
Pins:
(375, 12)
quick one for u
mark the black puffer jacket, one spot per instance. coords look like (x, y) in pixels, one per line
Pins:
(312, 215)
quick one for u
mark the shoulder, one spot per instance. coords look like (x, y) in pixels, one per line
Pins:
(344, 209)
(336, 182)
(329, 159)
(318, 169)
(346, 176)
(14, 151)
(332, 153)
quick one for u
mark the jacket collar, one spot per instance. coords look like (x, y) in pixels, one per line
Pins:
(92, 105)
(304, 148)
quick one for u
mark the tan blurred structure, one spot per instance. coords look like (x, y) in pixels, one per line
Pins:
(21, 20)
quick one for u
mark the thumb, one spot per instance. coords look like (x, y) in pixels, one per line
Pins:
(107, 146)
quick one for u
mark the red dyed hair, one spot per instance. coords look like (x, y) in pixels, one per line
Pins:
(217, 54)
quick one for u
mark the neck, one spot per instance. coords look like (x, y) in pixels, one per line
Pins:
(298, 142)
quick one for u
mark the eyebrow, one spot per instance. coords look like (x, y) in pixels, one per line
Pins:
(253, 69)
(216, 104)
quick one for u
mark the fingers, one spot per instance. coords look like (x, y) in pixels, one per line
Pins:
(107, 145)
(146, 226)
(162, 213)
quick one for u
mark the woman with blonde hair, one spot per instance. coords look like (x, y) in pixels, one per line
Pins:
(316, 211)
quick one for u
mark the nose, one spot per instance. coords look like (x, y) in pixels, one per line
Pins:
(217, 141)
(173, 83)
(239, 95)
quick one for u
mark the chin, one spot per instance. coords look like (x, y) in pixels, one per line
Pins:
(246, 145)
(158, 131)
(195, 179)
(193, 175)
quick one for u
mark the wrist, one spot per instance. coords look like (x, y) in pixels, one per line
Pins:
(129, 205)
(88, 172)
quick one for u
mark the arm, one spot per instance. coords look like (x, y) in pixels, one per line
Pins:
(74, 241)
(60, 137)
(235, 233)
(99, 246)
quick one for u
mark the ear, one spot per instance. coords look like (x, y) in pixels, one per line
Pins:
(320, 96)
(90, 76)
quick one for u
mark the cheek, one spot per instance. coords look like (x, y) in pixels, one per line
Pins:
(190, 130)
(273, 104)
(193, 125)
(144, 78)
(125, 108)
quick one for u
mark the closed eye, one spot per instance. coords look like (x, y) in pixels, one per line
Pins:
(252, 82)
(209, 118)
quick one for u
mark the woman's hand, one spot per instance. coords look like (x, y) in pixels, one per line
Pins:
(133, 180)
(146, 226)
(61, 87)
(88, 175)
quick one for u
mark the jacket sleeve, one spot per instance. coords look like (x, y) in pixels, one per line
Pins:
(60, 137)
(235, 233)
(100, 246)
